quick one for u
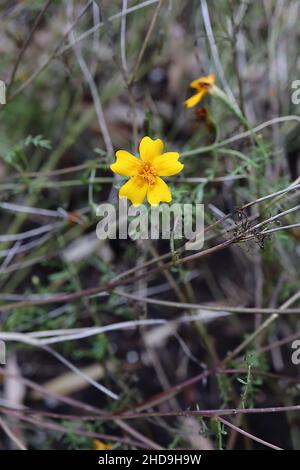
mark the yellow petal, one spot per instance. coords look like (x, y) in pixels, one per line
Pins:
(159, 192)
(135, 190)
(126, 164)
(150, 148)
(193, 100)
(167, 164)
(208, 80)
(99, 445)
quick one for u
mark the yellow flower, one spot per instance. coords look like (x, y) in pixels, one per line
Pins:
(145, 172)
(99, 445)
(203, 85)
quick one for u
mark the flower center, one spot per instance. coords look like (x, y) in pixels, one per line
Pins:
(204, 86)
(147, 172)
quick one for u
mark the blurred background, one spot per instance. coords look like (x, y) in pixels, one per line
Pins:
(84, 79)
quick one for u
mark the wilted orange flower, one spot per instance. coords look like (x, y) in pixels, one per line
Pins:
(145, 172)
(203, 117)
(203, 85)
(74, 217)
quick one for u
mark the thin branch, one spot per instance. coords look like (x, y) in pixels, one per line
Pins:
(79, 405)
(11, 435)
(111, 18)
(247, 434)
(51, 56)
(213, 308)
(214, 50)
(242, 135)
(60, 49)
(38, 423)
(145, 43)
(123, 38)
(96, 98)
(34, 342)
(30, 233)
(27, 42)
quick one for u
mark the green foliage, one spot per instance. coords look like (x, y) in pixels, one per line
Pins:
(225, 385)
(219, 431)
(252, 384)
(95, 348)
(75, 441)
(18, 158)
